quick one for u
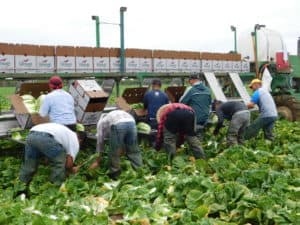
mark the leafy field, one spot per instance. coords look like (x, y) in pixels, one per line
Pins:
(4, 101)
(258, 183)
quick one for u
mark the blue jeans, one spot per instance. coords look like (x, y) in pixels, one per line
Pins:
(266, 123)
(123, 136)
(43, 144)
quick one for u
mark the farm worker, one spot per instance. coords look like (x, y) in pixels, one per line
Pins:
(198, 97)
(120, 128)
(59, 105)
(153, 100)
(57, 143)
(238, 115)
(174, 119)
(267, 109)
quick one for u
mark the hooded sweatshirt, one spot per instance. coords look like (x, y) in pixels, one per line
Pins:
(198, 97)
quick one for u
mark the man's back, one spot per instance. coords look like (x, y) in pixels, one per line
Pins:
(59, 105)
(153, 100)
(199, 98)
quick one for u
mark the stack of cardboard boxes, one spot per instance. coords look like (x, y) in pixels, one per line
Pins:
(90, 100)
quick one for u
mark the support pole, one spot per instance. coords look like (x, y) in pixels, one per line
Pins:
(122, 47)
(97, 22)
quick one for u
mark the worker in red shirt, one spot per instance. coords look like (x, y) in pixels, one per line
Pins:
(173, 119)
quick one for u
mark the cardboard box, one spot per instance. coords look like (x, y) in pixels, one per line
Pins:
(159, 65)
(217, 66)
(89, 97)
(195, 65)
(114, 64)
(101, 52)
(101, 64)
(138, 53)
(245, 66)
(75, 94)
(184, 65)
(122, 104)
(24, 118)
(84, 64)
(207, 65)
(146, 65)
(227, 66)
(236, 66)
(132, 65)
(45, 64)
(86, 85)
(26, 64)
(87, 118)
(172, 65)
(45, 59)
(7, 63)
(65, 64)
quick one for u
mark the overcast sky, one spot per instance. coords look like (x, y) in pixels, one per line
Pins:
(154, 24)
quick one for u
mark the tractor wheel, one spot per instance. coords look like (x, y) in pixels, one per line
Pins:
(288, 107)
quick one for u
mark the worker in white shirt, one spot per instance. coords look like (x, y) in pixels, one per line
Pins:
(120, 127)
(59, 105)
(58, 144)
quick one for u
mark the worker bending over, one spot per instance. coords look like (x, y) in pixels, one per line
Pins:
(173, 119)
(267, 109)
(120, 127)
(153, 100)
(198, 97)
(57, 143)
(59, 105)
(238, 115)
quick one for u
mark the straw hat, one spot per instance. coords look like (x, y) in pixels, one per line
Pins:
(254, 81)
(160, 112)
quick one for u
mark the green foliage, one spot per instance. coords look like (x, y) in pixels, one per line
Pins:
(257, 183)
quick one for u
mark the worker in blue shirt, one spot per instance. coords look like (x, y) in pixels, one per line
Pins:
(267, 109)
(153, 100)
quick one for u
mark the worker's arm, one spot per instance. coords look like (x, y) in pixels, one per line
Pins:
(254, 100)
(250, 105)
(102, 131)
(145, 101)
(45, 107)
(97, 162)
(185, 98)
(70, 168)
(220, 116)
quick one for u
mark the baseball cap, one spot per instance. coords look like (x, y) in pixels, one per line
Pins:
(254, 81)
(55, 82)
(194, 76)
(156, 82)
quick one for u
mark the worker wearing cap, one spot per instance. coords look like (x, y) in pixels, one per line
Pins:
(238, 115)
(153, 100)
(59, 105)
(198, 97)
(120, 127)
(57, 143)
(267, 109)
(173, 119)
